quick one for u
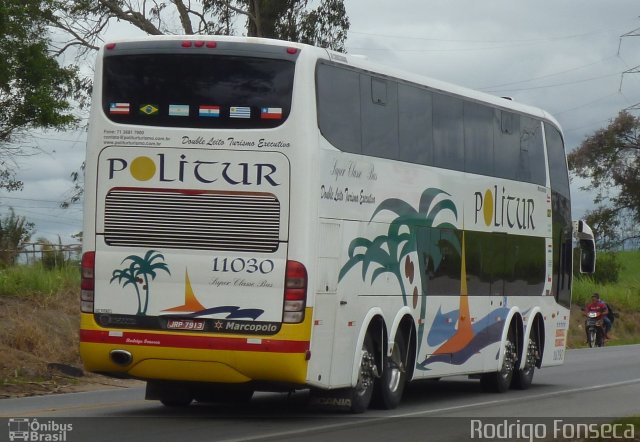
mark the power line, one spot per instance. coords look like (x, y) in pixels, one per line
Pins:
(550, 75)
(583, 105)
(442, 40)
(585, 80)
(30, 199)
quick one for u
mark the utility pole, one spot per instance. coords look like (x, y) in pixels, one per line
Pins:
(633, 70)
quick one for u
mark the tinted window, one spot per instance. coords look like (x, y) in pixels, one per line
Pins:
(561, 216)
(557, 161)
(531, 165)
(205, 91)
(478, 138)
(501, 264)
(338, 95)
(444, 274)
(506, 151)
(415, 125)
(478, 262)
(448, 134)
(379, 105)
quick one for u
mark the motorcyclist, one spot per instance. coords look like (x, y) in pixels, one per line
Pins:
(599, 306)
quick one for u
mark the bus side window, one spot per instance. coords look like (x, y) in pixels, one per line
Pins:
(448, 133)
(561, 215)
(478, 138)
(379, 107)
(531, 164)
(506, 151)
(415, 125)
(338, 98)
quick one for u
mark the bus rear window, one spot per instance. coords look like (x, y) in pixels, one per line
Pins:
(203, 91)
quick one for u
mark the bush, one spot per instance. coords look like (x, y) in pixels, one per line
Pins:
(607, 268)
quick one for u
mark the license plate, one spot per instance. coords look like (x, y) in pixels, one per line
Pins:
(185, 324)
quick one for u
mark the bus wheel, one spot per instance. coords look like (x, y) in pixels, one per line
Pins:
(522, 379)
(177, 401)
(170, 394)
(363, 391)
(231, 396)
(390, 386)
(500, 380)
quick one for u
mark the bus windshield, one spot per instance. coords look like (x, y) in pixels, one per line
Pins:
(201, 91)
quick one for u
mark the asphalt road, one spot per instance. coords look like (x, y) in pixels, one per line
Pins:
(593, 383)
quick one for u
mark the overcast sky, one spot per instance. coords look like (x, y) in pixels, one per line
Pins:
(559, 55)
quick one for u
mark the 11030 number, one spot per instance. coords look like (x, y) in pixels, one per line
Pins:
(238, 265)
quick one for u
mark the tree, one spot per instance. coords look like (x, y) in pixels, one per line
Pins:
(610, 160)
(86, 20)
(34, 89)
(15, 231)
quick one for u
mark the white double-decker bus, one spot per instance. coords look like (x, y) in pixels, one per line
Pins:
(265, 215)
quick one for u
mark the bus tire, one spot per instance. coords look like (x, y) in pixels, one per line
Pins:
(363, 391)
(390, 386)
(523, 378)
(225, 396)
(500, 381)
(177, 401)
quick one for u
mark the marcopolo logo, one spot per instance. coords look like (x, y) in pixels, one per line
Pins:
(499, 208)
(165, 168)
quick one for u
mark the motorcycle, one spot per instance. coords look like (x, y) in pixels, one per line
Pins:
(595, 329)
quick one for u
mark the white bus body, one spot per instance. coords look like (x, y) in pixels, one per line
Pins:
(269, 215)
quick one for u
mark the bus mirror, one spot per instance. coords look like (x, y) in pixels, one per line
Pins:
(587, 242)
(587, 256)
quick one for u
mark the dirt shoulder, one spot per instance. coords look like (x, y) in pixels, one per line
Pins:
(39, 348)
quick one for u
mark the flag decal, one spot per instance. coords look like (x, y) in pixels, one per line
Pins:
(179, 110)
(209, 111)
(119, 108)
(240, 112)
(271, 113)
(149, 109)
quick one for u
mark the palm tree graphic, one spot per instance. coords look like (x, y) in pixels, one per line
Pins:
(128, 275)
(410, 232)
(138, 272)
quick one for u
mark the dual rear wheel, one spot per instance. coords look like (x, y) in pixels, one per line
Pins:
(510, 375)
(380, 388)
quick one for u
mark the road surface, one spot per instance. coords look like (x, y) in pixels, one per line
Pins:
(592, 383)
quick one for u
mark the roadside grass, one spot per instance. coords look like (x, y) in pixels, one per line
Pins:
(624, 296)
(36, 281)
(40, 322)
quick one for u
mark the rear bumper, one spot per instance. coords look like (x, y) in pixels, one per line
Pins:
(198, 357)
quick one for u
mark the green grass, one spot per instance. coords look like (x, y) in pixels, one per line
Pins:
(34, 280)
(625, 294)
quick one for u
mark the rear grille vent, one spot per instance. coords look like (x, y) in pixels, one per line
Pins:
(228, 221)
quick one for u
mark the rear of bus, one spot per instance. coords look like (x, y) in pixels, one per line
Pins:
(187, 276)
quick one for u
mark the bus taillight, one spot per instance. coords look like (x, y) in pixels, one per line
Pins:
(295, 292)
(87, 281)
